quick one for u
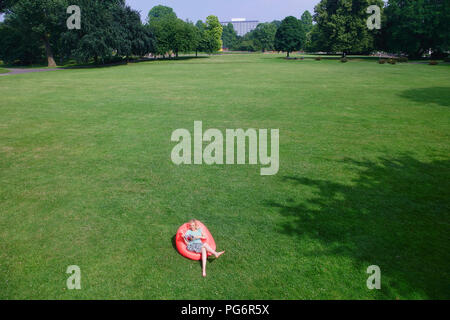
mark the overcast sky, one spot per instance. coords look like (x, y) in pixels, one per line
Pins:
(262, 10)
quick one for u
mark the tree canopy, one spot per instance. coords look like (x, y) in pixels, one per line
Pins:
(343, 25)
(290, 36)
(264, 36)
(213, 34)
(36, 20)
(415, 26)
(160, 11)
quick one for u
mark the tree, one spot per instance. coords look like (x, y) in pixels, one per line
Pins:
(183, 37)
(290, 36)
(17, 47)
(264, 36)
(213, 34)
(39, 19)
(315, 41)
(173, 34)
(134, 38)
(229, 36)
(109, 29)
(200, 37)
(5, 4)
(307, 21)
(343, 25)
(158, 12)
(415, 26)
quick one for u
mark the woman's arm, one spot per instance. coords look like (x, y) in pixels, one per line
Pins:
(184, 238)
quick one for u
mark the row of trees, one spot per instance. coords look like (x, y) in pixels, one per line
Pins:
(409, 27)
(263, 38)
(175, 35)
(36, 29)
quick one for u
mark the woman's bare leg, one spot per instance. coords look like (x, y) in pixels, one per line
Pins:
(204, 255)
(209, 249)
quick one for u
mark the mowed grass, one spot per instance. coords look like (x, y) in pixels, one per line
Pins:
(86, 179)
(3, 70)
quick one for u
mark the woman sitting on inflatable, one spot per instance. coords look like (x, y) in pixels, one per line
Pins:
(193, 239)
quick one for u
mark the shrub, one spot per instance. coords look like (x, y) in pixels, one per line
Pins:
(382, 61)
(318, 58)
(433, 62)
(392, 61)
(344, 60)
(402, 59)
(447, 59)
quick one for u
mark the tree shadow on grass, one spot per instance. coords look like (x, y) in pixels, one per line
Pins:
(437, 95)
(131, 61)
(394, 214)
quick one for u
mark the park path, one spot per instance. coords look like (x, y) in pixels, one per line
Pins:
(22, 70)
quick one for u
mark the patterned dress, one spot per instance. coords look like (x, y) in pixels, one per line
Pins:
(194, 245)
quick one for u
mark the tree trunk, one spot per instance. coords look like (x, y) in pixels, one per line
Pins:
(288, 54)
(49, 52)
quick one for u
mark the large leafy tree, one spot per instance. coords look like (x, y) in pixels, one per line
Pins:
(290, 36)
(184, 37)
(171, 34)
(108, 28)
(213, 34)
(44, 20)
(17, 47)
(415, 26)
(264, 36)
(133, 37)
(342, 25)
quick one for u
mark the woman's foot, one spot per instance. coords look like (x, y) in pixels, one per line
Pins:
(204, 274)
(219, 254)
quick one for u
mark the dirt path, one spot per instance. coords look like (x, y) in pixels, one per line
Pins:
(22, 70)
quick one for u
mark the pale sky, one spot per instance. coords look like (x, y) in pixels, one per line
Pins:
(262, 10)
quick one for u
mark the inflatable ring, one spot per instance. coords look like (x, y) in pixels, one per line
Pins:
(181, 245)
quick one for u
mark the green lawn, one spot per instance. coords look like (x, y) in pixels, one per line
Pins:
(3, 70)
(86, 179)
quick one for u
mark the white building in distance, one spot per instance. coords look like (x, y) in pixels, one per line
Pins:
(242, 25)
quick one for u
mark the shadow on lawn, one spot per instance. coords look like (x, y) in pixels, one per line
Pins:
(394, 214)
(438, 95)
(131, 61)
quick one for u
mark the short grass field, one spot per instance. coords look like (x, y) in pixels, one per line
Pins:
(86, 179)
(3, 70)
